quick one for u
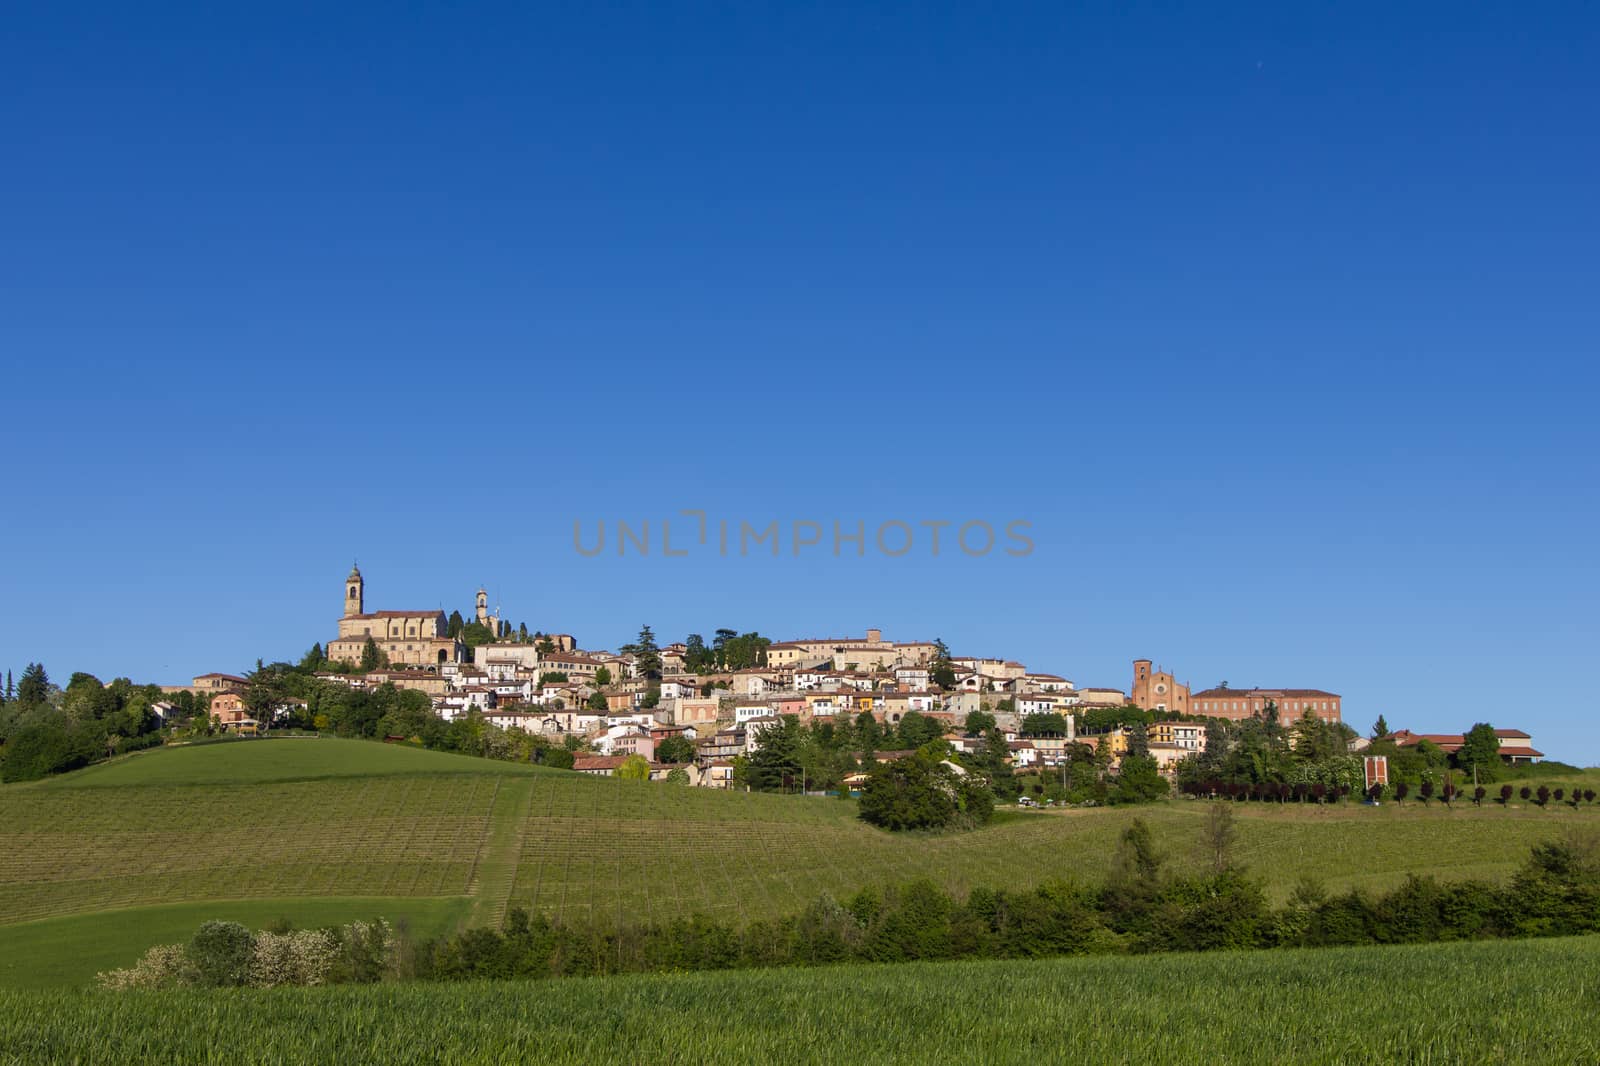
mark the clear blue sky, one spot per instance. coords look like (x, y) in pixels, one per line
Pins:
(1279, 325)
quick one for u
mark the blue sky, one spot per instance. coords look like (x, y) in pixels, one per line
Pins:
(1278, 325)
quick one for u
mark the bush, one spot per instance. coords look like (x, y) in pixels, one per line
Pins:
(163, 966)
(221, 954)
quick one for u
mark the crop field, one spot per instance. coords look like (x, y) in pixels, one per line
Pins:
(309, 820)
(1501, 1002)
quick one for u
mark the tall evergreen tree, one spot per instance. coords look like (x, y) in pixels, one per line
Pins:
(646, 655)
(372, 657)
(941, 673)
(35, 684)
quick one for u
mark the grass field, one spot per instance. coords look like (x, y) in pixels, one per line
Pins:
(67, 952)
(1504, 1002)
(219, 825)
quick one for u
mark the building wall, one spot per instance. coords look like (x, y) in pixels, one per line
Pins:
(1157, 690)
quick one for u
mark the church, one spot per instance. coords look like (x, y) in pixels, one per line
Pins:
(408, 638)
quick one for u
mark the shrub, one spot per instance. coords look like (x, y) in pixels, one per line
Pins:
(221, 954)
(163, 966)
(304, 957)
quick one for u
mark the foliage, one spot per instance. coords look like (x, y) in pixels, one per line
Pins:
(227, 954)
(918, 792)
(646, 655)
(677, 749)
(373, 657)
(1140, 908)
(1480, 753)
(1050, 724)
(634, 768)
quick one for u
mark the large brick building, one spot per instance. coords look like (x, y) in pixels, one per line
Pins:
(1157, 690)
(1237, 704)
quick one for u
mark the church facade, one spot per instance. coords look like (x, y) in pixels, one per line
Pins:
(408, 638)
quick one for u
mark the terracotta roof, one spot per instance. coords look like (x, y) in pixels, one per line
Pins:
(1522, 753)
(598, 762)
(1264, 693)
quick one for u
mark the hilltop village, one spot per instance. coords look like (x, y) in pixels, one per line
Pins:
(697, 711)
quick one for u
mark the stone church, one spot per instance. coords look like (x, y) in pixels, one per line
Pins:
(408, 638)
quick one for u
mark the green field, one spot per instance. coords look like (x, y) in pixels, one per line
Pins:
(1506, 1002)
(405, 831)
(68, 952)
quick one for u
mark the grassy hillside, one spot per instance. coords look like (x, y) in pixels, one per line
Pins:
(67, 952)
(305, 820)
(288, 759)
(1506, 1002)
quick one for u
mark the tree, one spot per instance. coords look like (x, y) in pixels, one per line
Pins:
(1139, 741)
(455, 625)
(646, 656)
(917, 729)
(1542, 796)
(1138, 781)
(978, 723)
(675, 750)
(1050, 724)
(697, 658)
(1505, 794)
(372, 657)
(1137, 858)
(1380, 729)
(602, 677)
(917, 792)
(1220, 837)
(1477, 795)
(941, 672)
(775, 765)
(597, 702)
(313, 660)
(634, 768)
(34, 688)
(1480, 752)
(1427, 790)
(264, 695)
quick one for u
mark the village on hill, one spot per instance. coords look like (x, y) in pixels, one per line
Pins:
(694, 711)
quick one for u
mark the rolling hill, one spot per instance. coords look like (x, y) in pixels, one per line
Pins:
(321, 830)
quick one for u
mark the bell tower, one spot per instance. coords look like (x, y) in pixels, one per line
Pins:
(354, 593)
(483, 606)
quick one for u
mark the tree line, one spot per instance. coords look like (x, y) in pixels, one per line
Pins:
(1140, 907)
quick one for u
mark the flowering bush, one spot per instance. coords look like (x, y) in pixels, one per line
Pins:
(300, 957)
(163, 966)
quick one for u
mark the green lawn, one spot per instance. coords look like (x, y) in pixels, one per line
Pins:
(349, 820)
(1502, 1002)
(66, 952)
